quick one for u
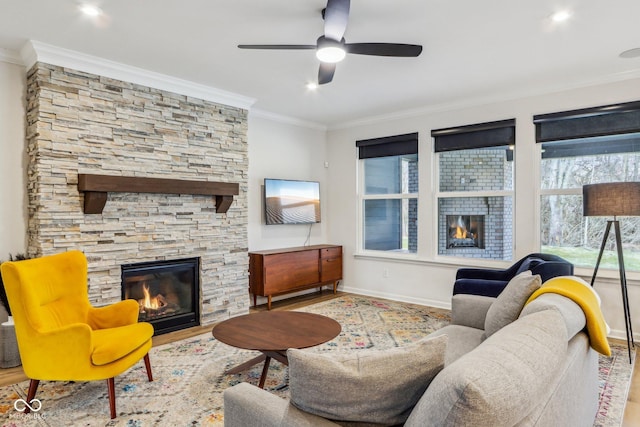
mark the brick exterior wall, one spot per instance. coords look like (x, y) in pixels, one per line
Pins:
(413, 207)
(84, 123)
(477, 170)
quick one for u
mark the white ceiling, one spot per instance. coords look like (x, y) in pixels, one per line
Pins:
(473, 50)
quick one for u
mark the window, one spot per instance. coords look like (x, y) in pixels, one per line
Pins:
(579, 147)
(475, 190)
(389, 193)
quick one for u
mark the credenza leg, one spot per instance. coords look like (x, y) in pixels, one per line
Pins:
(268, 302)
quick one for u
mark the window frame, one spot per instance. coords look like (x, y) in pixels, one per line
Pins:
(588, 126)
(362, 196)
(469, 137)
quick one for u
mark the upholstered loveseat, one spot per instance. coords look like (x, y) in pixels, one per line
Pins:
(536, 370)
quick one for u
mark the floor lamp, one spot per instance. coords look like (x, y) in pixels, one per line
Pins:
(614, 199)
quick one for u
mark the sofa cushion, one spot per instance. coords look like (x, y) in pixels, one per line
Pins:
(462, 339)
(368, 386)
(509, 303)
(499, 382)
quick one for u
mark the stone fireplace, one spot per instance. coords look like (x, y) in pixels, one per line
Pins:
(82, 123)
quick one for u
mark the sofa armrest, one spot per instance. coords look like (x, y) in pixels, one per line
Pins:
(246, 405)
(470, 310)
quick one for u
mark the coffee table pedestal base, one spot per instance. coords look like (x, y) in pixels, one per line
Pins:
(266, 356)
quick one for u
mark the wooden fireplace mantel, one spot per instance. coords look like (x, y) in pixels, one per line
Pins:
(97, 187)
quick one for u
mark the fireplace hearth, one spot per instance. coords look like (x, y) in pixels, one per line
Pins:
(167, 292)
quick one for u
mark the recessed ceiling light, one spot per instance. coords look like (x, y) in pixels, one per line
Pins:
(631, 53)
(90, 10)
(561, 16)
(312, 86)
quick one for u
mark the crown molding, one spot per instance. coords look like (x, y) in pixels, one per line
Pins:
(480, 101)
(35, 51)
(287, 120)
(11, 57)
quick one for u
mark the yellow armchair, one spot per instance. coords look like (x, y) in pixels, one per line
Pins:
(61, 337)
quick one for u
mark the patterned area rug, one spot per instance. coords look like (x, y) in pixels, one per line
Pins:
(189, 374)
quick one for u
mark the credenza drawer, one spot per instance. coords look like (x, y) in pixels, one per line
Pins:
(331, 269)
(331, 252)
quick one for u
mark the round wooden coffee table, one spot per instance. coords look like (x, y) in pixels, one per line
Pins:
(272, 333)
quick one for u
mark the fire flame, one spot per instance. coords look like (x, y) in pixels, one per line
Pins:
(148, 301)
(461, 230)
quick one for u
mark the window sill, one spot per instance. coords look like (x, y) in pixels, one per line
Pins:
(440, 261)
(609, 276)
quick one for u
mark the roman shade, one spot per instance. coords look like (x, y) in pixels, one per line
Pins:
(481, 135)
(607, 129)
(396, 145)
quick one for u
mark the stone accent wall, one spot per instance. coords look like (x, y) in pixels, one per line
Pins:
(85, 123)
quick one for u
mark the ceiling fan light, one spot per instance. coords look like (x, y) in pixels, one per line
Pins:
(330, 54)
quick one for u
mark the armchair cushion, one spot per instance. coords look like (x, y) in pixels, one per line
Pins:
(484, 287)
(111, 344)
(375, 386)
(121, 313)
(508, 305)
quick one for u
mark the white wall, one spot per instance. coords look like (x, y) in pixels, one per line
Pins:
(13, 205)
(426, 278)
(281, 149)
(288, 151)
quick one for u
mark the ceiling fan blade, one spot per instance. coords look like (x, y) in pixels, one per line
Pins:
(326, 72)
(277, 46)
(336, 16)
(384, 49)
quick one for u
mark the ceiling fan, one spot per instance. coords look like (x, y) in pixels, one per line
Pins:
(331, 47)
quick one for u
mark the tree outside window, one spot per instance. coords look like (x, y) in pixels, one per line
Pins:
(564, 230)
(580, 147)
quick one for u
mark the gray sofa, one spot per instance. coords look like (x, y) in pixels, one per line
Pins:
(537, 370)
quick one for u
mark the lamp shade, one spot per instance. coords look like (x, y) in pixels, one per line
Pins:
(611, 199)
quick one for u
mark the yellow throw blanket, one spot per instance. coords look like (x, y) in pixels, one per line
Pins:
(580, 292)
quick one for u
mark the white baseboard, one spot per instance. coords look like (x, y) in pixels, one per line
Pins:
(396, 297)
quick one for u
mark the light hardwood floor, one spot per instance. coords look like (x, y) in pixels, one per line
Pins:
(631, 413)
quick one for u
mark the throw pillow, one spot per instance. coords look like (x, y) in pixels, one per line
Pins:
(508, 305)
(367, 386)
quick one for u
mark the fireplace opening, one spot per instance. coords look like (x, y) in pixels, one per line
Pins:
(167, 292)
(465, 231)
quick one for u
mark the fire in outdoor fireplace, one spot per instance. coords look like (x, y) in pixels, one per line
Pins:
(464, 231)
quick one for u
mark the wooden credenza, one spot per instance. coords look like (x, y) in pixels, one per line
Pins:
(281, 271)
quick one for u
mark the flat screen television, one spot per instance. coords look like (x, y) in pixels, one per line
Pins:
(291, 202)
